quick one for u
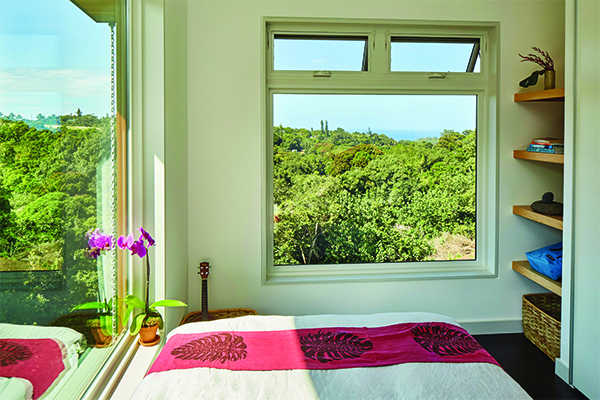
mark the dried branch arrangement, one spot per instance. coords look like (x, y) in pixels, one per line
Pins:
(546, 62)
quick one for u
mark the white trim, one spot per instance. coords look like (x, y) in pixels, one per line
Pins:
(493, 326)
(562, 370)
(104, 375)
(562, 366)
(131, 370)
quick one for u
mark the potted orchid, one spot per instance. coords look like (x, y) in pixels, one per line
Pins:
(101, 324)
(149, 319)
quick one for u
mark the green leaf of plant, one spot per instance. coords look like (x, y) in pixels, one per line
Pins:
(168, 303)
(136, 325)
(106, 324)
(531, 79)
(94, 304)
(127, 314)
(134, 301)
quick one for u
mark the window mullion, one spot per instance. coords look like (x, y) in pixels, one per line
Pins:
(380, 53)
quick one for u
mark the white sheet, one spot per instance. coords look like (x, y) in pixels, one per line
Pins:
(15, 389)
(403, 381)
(71, 342)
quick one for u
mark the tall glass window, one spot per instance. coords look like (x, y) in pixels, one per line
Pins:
(62, 112)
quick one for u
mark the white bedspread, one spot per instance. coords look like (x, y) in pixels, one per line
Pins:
(402, 381)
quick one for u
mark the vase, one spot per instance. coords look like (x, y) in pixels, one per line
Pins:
(148, 336)
(549, 80)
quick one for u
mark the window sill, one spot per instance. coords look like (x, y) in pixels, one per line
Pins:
(133, 371)
(121, 373)
(375, 272)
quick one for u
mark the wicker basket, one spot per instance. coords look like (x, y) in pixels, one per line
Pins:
(541, 322)
(196, 316)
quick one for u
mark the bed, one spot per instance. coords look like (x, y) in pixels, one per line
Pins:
(34, 360)
(186, 369)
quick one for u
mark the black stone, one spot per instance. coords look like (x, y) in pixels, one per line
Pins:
(547, 206)
(548, 198)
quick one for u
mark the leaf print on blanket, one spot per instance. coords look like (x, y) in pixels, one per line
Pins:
(12, 353)
(444, 341)
(330, 346)
(219, 347)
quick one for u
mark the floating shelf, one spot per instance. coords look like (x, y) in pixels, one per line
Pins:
(541, 95)
(524, 269)
(545, 157)
(555, 221)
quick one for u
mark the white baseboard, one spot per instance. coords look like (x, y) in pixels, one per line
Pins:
(492, 327)
(561, 369)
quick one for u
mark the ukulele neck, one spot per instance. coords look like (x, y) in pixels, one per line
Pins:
(204, 299)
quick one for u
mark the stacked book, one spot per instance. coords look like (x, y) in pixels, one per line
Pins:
(547, 145)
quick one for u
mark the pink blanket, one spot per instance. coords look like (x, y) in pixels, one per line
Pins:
(40, 361)
(322, 348)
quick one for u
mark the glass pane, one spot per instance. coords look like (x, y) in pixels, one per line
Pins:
(435, 55)
(373, 178)
(320, 53)
(57, 139)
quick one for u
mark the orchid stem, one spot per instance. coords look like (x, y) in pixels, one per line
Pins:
(147, 284)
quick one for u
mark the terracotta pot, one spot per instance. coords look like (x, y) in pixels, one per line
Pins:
(101, 339)
(148, 335)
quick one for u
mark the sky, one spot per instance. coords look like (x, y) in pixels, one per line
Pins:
(54, 59)
(407, 117)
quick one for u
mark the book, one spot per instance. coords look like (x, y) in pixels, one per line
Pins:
(544, 150)
(547, 140)
(546, 146)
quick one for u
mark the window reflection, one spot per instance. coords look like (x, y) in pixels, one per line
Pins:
(57, 174)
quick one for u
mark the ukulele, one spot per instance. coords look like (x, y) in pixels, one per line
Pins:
(204, 272)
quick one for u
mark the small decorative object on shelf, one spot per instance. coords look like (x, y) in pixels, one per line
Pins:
(546, 63)
(547, 205)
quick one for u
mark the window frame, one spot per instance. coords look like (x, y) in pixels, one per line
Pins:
(379, 79)
(92, 376)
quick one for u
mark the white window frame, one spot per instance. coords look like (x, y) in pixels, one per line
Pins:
(380, 80)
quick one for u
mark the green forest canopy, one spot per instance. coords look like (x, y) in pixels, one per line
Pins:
(343, 197)
(48, 201)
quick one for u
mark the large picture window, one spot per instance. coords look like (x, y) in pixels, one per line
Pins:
(62, 113)
(382, 164)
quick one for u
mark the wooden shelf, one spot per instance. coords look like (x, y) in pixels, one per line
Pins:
(541, 95)
(555, 221)
(524, 269)
(545, 157)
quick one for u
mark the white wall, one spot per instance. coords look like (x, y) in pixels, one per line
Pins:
(176, 195)
(225, 158)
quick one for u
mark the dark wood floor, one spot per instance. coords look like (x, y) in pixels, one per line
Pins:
(527, 365)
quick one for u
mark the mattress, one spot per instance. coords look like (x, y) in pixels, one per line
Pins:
(411, 380)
